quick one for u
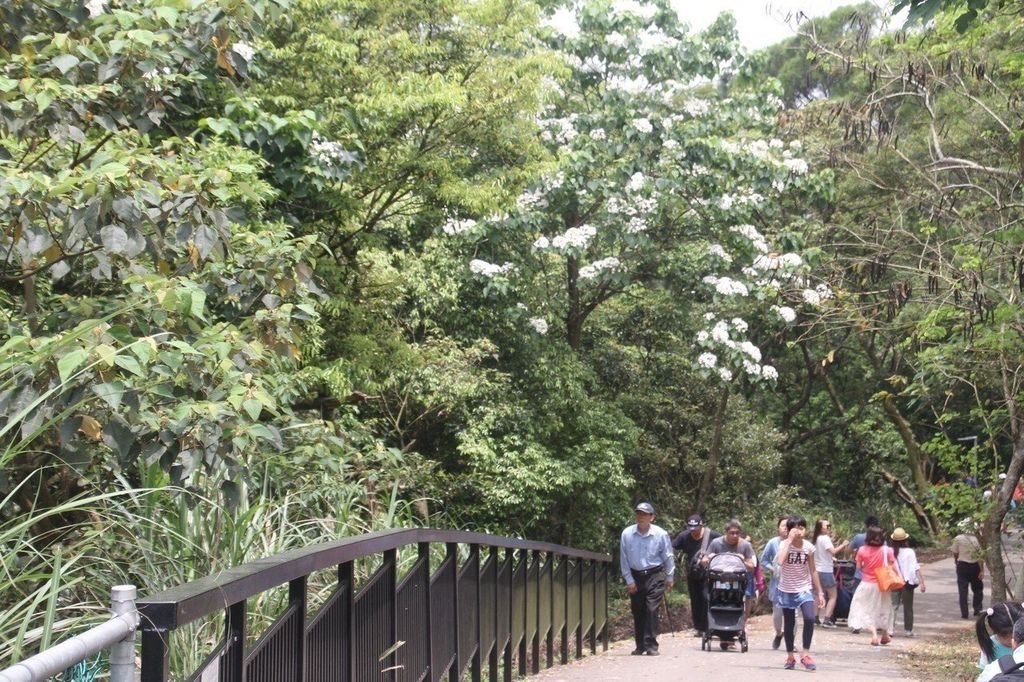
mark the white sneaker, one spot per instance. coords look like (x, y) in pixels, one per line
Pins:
(908, 633)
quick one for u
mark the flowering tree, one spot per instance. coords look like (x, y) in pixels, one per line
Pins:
(657, 152)
(664, 161)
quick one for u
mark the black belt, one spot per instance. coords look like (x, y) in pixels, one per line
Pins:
(646, 571)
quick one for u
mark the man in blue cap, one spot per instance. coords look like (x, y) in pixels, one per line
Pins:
(648, 567)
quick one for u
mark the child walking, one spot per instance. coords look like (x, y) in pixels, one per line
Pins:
(798, 587)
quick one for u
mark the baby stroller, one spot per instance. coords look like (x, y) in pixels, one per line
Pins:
(725, 585)
(845, 585)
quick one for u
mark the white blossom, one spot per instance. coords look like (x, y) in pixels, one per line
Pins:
(329, 153)
(670, 144)
(540, 325)
(717, 251)
(541, 243)
(720, 332)
(707, 360)
(750, 349)
(636, 225)
(593, 64)
(482, 267)
(702, 336)
(739, 324)
(592, 270)
(453, 227)
(776, 143)
(811, 296)
(797, 166)
(727, 286)
(709, 316)
(785, 312)
(751, 233)
(643, 10)
(696, 107)
(643, 125)
(790, 261)
(244, 50)
(636, 182)
(531, 200)
(575, 237)
(617, 39)
(752, 368)
(824, 291)
(725, 373)
(96, 7)
(597, 134)
(769, 372)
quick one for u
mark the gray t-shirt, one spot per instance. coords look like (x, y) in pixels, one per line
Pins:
(719, 546)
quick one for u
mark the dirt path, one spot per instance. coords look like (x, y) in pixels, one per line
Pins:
(839, 653)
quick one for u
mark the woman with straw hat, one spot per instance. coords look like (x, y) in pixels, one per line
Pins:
(910, 569)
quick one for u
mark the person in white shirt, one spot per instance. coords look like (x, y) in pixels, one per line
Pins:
(910, 569)
(824, 559)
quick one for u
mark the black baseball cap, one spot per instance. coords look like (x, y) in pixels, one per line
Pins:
(695, 521)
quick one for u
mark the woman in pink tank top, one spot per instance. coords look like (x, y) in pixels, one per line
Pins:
(871, 609)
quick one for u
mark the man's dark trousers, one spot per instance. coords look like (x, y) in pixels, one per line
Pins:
(698, 605)
(968, 573)
(644, 604)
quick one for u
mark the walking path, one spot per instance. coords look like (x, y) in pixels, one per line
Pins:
(840, 655)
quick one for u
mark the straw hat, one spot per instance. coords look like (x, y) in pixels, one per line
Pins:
(899, 534)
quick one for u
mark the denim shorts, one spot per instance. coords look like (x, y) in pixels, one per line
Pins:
(792, 600)
(827, 579)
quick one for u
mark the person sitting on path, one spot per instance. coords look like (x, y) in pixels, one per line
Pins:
(824, 557)
(733, 545)
(769, 564)
(871, 609)
(648, 567)
(1004, 663)
(910, 569)
(970, 569)
(693, 542)
(798, 583)
(998, 619)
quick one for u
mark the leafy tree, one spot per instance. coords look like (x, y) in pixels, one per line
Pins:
(966, 12)
(928, 251)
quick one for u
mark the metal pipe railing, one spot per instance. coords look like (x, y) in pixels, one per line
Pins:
(117, 634)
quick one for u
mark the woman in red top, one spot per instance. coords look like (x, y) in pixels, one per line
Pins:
(871, 609)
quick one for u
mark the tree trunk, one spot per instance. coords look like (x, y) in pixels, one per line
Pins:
(31, 305)
(992, 534)
(926, 521)
(915, 460)
(714, 454)
(574, 318)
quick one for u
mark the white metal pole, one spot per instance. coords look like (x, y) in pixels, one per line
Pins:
(122, 654)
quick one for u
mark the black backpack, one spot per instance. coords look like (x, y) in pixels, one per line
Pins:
(1009, 669)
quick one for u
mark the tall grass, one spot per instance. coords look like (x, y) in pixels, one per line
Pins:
(149, 533)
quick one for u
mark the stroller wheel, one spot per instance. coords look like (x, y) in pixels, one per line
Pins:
(743, 642)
